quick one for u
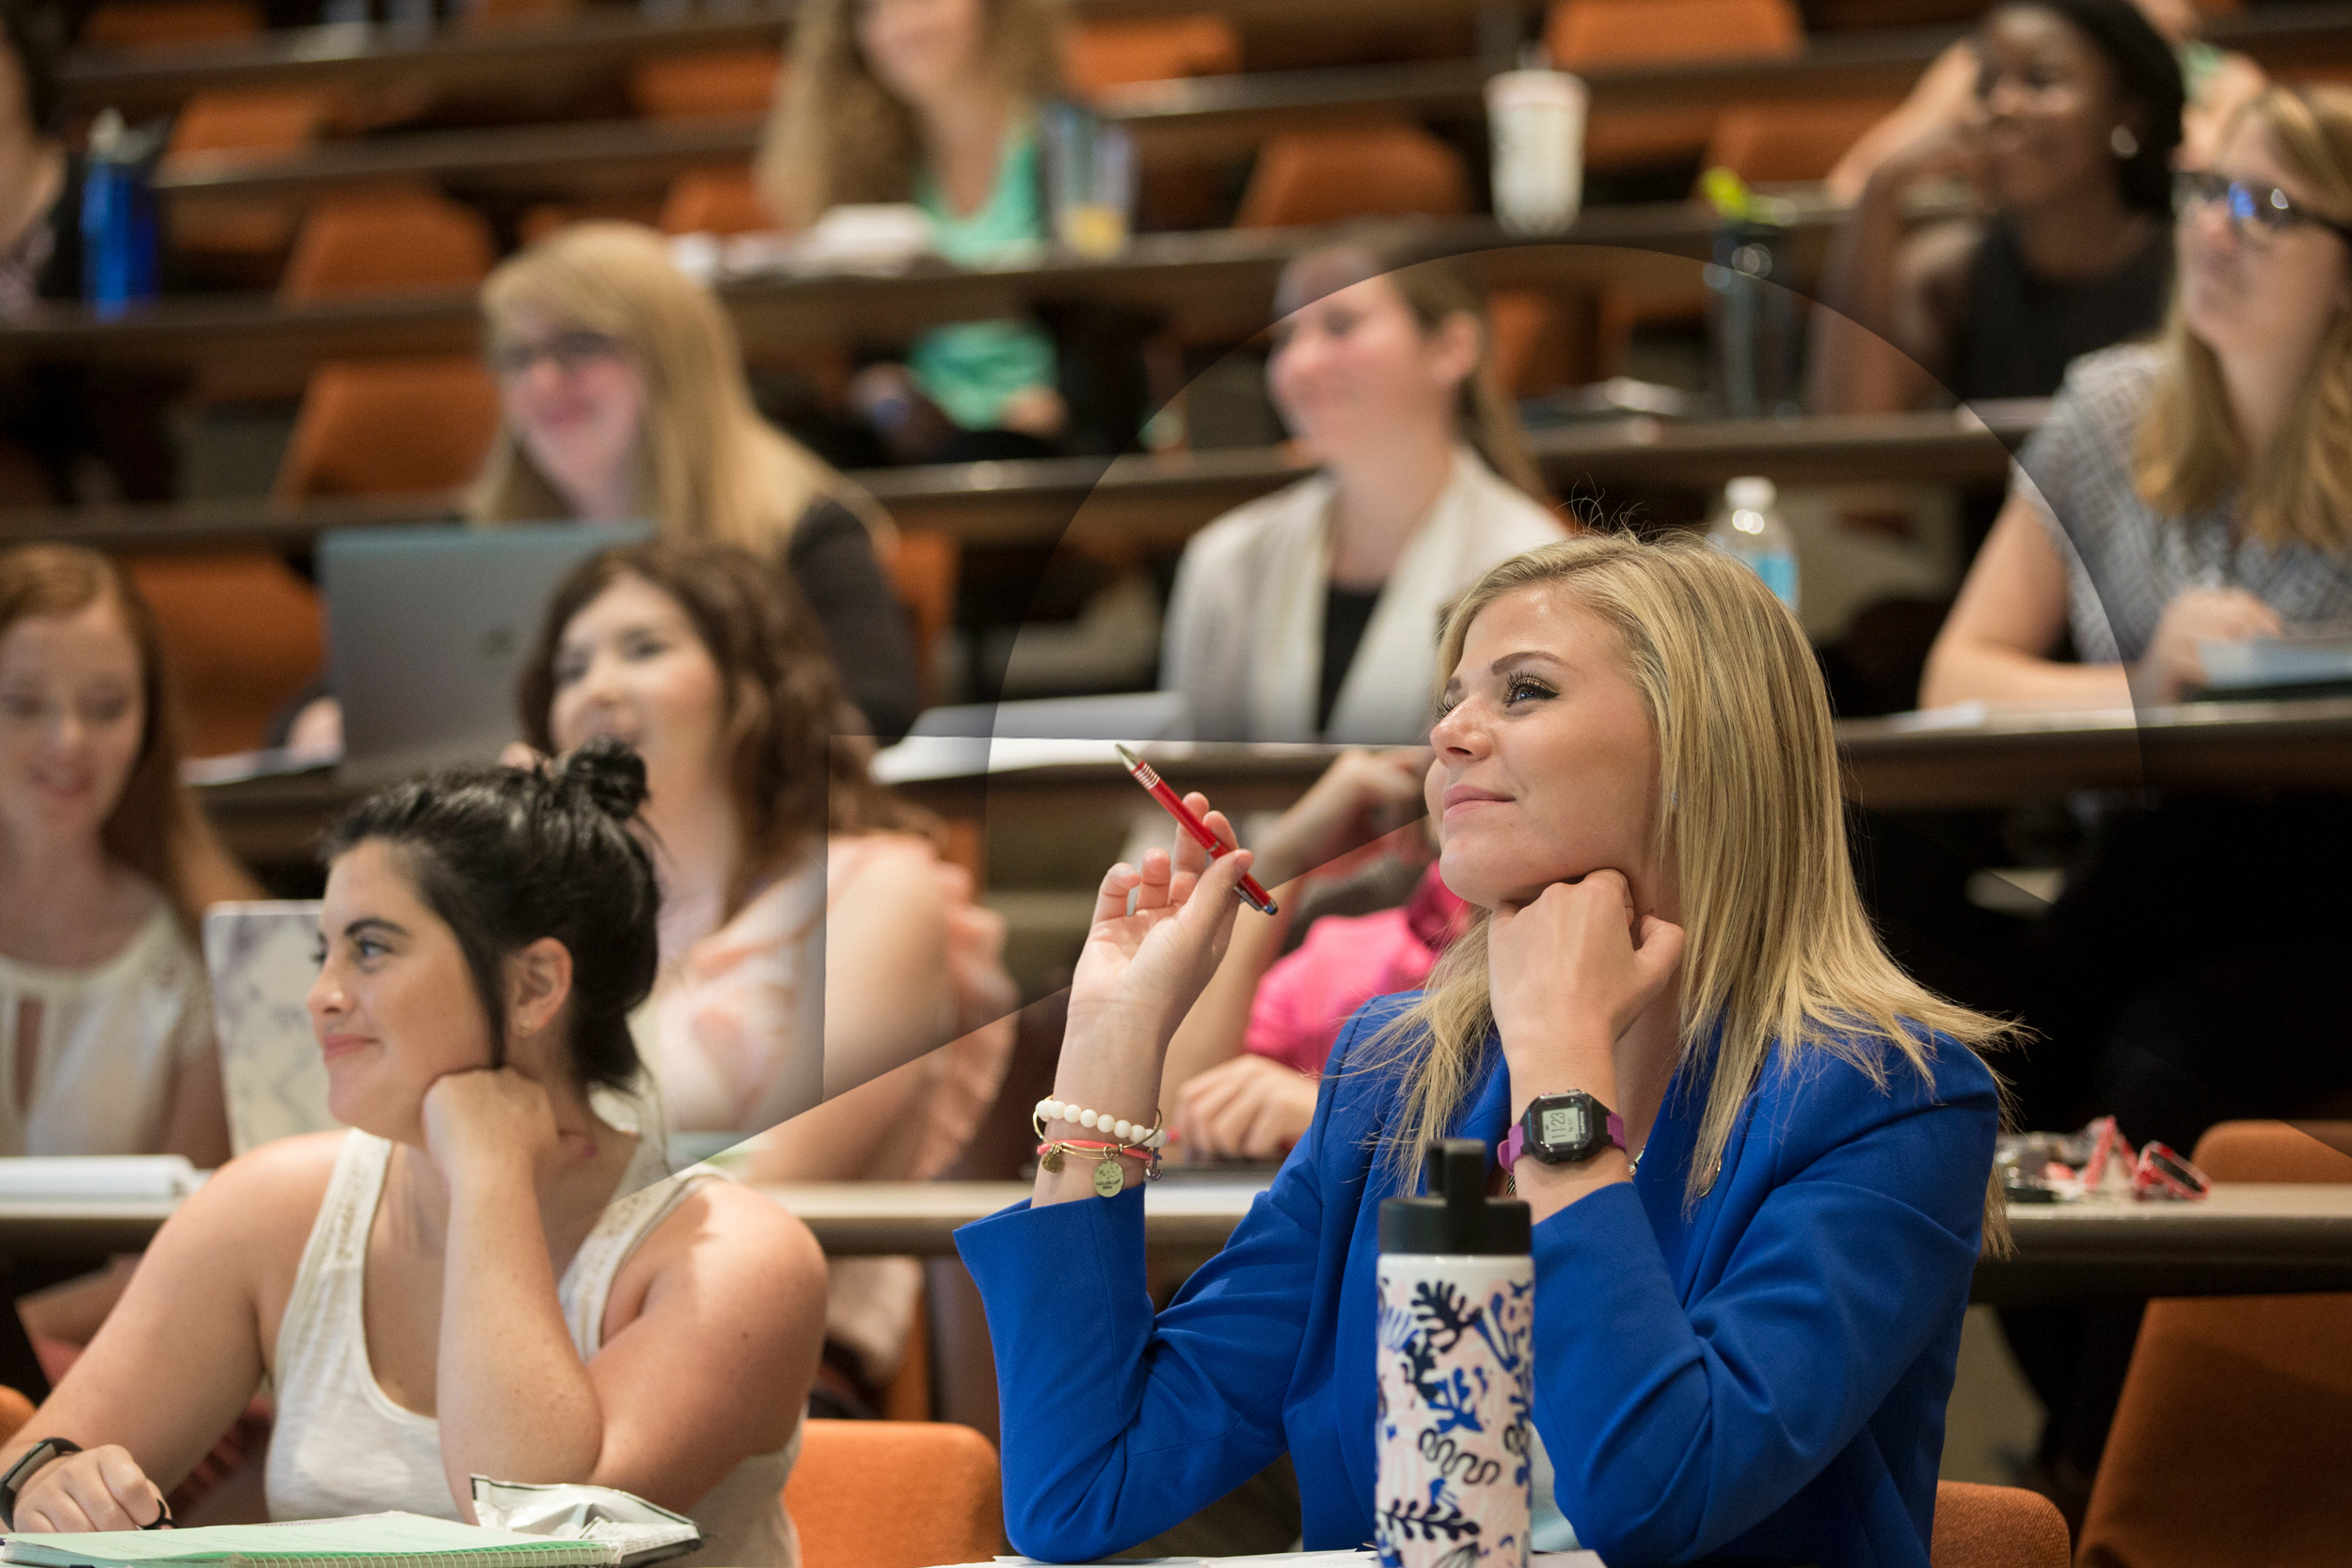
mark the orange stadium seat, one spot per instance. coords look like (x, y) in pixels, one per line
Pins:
(1372, 170)
(1100, 54)
(717, 84)
(1534, 348)
(241, 632)
(2228, 1443)
(1586, 35)
(386, 427)
(165, 24)
(262, 120)
(923, 570)
(514, 13)
(390, 242)
(1995, 1527)
(1763, 143)
(715, 201)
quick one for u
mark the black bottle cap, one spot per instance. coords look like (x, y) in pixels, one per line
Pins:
(1458, 1217)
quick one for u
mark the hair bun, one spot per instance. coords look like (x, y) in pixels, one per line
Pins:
(611, 773)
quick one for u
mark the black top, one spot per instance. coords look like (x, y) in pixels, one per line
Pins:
(2021, 330)
(1346, 612)
(832, 561)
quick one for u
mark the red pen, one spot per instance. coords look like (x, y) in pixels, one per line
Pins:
(1249, 889)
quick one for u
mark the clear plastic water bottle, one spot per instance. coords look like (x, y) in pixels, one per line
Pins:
(1749, 528)
(117, 217)
(1456, 1368)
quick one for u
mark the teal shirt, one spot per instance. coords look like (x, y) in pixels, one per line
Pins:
(973, 369)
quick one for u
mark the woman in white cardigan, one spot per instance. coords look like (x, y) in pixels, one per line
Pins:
(1312, 614)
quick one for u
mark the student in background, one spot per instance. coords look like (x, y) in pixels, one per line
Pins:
(811, 933)
(621, 383)
(105, 863)
(1746, 1313)
(2069, 144)
(2194, 492)
(483, 1276)
(933, 102)
(1243, 1066)
(1309, 614)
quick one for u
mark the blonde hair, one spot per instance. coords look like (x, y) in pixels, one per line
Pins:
(1779, 948)
(713, 470)
(1435, 291)
(836, 134)
(2189, 452)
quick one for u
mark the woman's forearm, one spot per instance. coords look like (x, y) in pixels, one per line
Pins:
(1214, 1031)
(514, 1398)
(1854, 365)
(1972, 669)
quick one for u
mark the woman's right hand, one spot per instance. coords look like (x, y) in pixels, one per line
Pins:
(2172, 663)
(100, 1488)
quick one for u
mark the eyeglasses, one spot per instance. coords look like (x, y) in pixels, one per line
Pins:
(571, 350)
(2257, 214)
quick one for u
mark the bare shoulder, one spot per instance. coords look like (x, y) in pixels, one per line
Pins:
(272, 1192)
(725, 1247)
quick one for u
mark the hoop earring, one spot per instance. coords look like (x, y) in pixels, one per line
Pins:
(2124, 144)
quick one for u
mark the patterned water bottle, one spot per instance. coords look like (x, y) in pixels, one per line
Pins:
(1457, 1311)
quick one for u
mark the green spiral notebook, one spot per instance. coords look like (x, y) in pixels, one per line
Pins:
(364, 1541)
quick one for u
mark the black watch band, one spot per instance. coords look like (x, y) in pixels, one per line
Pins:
(29, 1465)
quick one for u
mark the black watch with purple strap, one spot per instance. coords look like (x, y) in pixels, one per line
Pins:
(1564, 1129)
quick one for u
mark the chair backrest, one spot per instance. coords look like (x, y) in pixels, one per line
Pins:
(263, 121)
(849, 1495)
(391, 243)
(1766, 142)
(161, 23)
(1995, 1527)
(715, 201)
(1535, 344)
(710, 84)
(923, 569)
(493, 14)
(1100, 54)
(391, 427)
(1583, 34)
(1373, 170)
(243, 636)
(2228, 1443)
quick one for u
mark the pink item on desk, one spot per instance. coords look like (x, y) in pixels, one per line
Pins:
(1345, 962)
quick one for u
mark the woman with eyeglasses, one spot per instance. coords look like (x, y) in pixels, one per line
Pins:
(2067, 146)
(2193, 492)
(623, 400)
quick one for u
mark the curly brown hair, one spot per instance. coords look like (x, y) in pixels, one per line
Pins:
(801, 766)
(836, 134)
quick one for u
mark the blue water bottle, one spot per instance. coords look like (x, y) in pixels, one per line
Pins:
(117, 218)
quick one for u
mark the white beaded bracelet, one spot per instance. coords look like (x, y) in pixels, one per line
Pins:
(1121, 1129)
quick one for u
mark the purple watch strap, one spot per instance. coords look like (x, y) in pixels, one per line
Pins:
(1515, 1142)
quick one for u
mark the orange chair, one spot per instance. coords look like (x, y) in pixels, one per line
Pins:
(714, 83)
(490, 14)
(163, 23)
(1101, 54)
(242, 633)
(923, 570)
(1995, 1527)
(2228, 1441)
(258, 122)
(715, 201)
(1534, 348)
(1587, 35)
(850, 1493)
(1762, 143)
(388, 243)
(1379, 168)
(391, 427)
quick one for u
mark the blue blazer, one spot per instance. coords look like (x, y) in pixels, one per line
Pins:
(1760, 1377)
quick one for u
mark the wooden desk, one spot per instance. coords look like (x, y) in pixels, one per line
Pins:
(1209, 284)
(1162, 501)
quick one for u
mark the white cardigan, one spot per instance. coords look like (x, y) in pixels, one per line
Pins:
(1244, 640)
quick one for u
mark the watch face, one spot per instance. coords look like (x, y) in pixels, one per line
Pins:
(1562, 1126)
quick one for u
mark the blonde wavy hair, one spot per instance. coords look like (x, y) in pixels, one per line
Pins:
(2188, 452)
(1779, 950)
(836, 134)
(713, 470)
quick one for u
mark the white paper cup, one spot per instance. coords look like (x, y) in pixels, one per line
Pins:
(1537, 121)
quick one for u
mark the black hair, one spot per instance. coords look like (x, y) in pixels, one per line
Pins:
(508, 855)
(2147, 75)
(37, 37)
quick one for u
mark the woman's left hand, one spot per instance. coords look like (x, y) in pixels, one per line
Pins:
(1570, 972)
(479, 1121)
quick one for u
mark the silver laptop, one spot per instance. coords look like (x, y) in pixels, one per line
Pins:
(427, 629)
(260, 959)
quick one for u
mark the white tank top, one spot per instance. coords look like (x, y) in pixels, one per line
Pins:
(341, 1445)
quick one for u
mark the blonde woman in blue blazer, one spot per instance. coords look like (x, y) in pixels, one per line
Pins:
(1747, 1314)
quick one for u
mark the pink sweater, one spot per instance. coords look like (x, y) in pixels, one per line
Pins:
(1345, 962)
